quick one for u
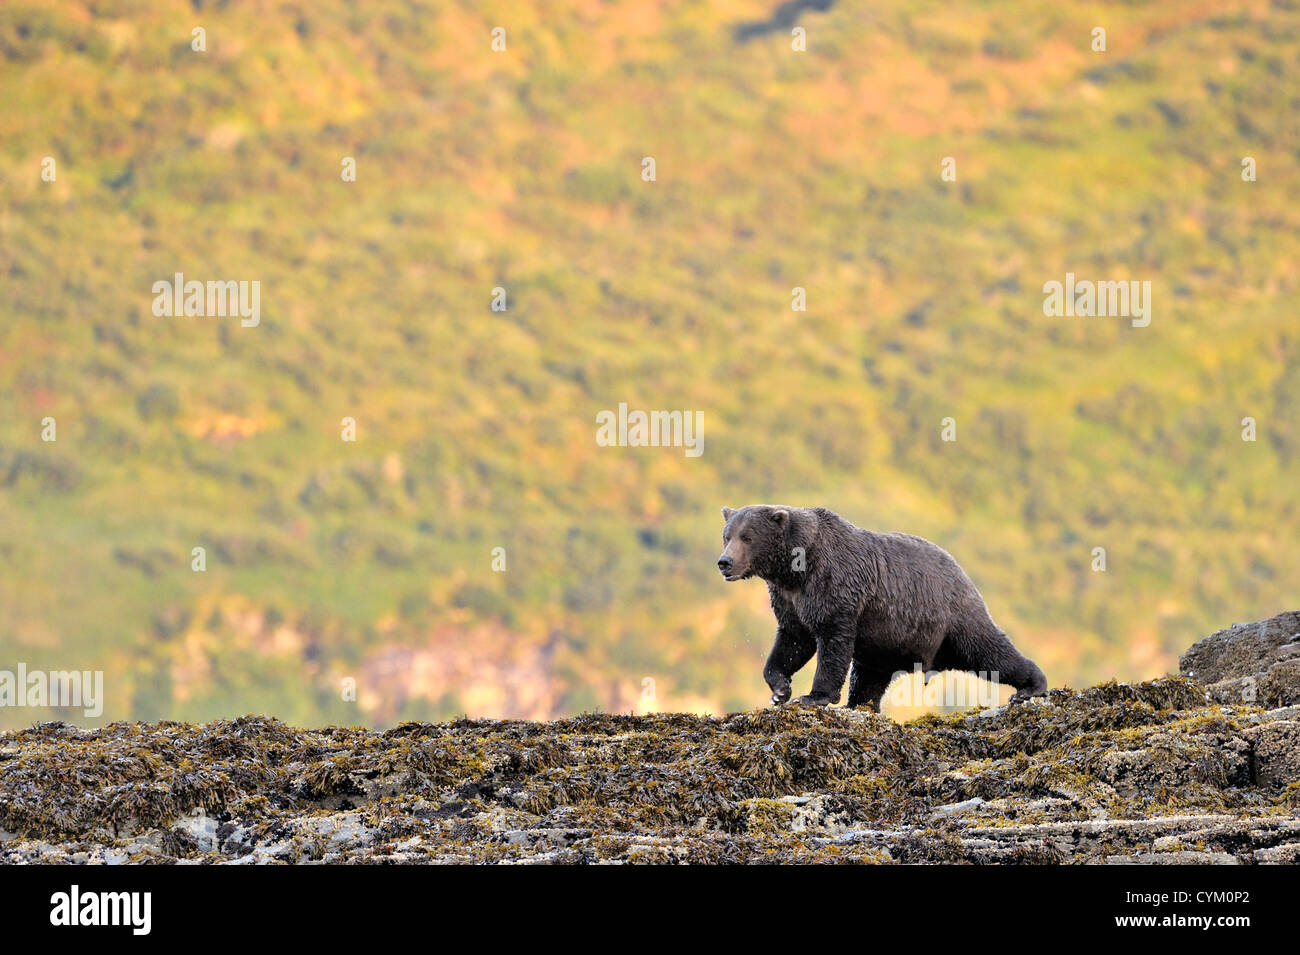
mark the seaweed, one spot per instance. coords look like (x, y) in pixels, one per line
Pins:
(1080, 775)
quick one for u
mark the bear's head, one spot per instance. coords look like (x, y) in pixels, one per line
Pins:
(754, 542)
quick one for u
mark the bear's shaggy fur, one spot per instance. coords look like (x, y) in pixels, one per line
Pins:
(883, 602)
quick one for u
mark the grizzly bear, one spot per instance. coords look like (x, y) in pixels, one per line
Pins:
(884, 602)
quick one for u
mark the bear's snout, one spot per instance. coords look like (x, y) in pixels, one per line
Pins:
(725, 564)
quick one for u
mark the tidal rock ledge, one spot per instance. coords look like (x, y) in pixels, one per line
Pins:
(1249, 662)
(1168, 771)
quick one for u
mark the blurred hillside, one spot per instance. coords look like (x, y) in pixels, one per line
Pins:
(372, 560)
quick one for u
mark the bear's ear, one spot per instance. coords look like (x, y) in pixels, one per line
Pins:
(780, 516)
(726, 513)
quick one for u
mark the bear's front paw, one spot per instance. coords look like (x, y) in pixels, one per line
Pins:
(811, 700)
(780, 694)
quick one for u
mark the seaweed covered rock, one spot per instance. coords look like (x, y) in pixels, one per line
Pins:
(1150, 772)
(1275, 747)
(1249, 662)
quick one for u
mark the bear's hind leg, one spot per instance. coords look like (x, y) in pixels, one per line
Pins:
(1028, 680)
(867, 685)
(987, 652)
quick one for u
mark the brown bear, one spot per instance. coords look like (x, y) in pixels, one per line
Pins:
(884, 602)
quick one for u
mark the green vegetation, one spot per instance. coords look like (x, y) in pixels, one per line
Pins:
(372, 560)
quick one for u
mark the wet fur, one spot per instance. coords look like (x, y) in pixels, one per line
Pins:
(878, 603)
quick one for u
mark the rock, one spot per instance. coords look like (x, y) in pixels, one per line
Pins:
(953, 808)
(546, 836)
(1255, 663)
(1276, 749)
(1152, 773)
(1172, 760)
(1174, 858)
(201, 829)
(807, 813)
(1288, 854)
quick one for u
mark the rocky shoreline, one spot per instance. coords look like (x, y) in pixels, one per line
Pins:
(1201, 768)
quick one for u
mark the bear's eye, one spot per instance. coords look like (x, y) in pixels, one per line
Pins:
(744, 539)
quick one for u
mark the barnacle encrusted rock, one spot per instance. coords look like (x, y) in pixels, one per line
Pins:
(1143, 773)
(1276, 749)
(1249, 662)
